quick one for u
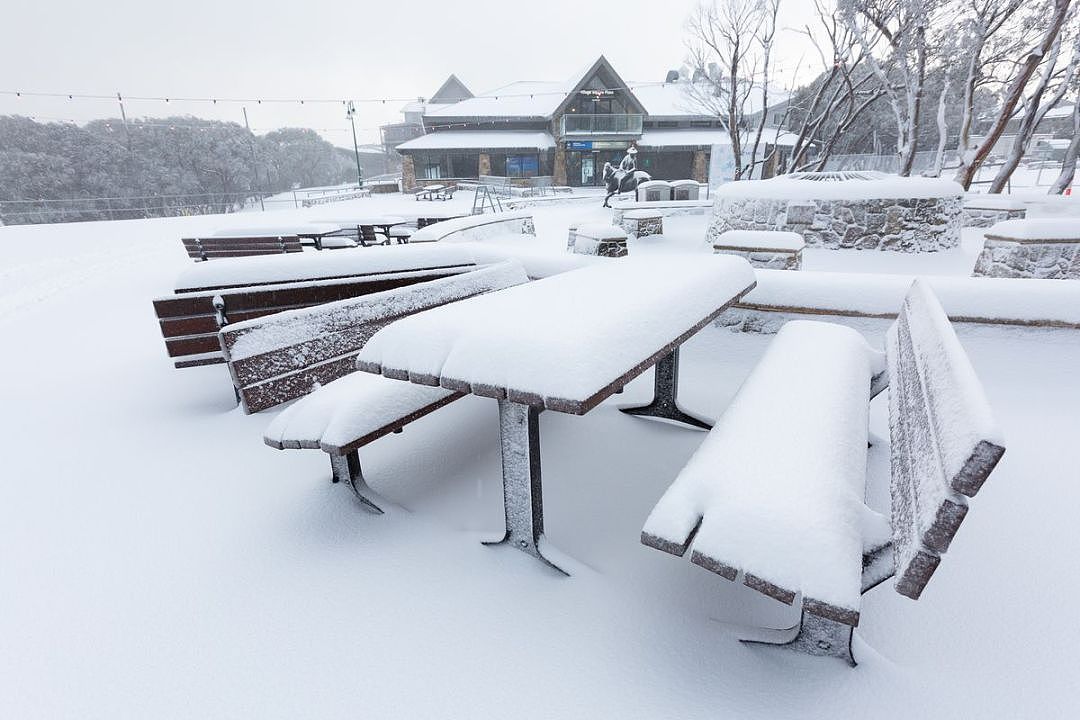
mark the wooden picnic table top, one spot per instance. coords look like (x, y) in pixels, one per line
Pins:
(566, 342)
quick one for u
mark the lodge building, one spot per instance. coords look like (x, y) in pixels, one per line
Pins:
(566, 130)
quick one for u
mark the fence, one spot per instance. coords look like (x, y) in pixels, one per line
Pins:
(28, 212)
(1034, 170)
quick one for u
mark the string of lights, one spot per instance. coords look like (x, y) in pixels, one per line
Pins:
(301, 101)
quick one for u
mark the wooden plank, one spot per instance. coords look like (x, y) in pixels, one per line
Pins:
(390, 427)
(192, 345)
(255, 398)
(419, 271)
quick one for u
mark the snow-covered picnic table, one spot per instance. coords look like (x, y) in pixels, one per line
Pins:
(564, 343)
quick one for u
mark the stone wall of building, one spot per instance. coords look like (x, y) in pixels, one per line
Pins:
(985, 217)
(408, 173)
(1038, 260)
(906, 225)
(700, 169)
(483, 166)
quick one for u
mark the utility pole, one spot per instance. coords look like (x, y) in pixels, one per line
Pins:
(254, 165)
(127, 131)
(350, 112)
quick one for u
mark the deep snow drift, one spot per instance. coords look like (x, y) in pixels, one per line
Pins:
(159, 561)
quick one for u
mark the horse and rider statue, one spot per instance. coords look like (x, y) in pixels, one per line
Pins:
(624, 178)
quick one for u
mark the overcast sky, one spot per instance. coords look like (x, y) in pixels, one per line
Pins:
(322, 49)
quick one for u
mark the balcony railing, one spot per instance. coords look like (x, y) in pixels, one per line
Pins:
(615, 124)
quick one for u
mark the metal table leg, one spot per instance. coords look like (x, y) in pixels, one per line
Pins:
(665, 403)
(523, 501)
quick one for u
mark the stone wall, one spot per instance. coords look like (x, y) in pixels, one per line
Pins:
(985, 217)
(700, 169)
(408, 173)
(767, 259)
(1038, 260)
(906, 225)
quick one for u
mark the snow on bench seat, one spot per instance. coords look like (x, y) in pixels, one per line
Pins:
(238, 272)
(1013, 301)
(352, 411)
(776, 489)
(565, 341)
(348, 413)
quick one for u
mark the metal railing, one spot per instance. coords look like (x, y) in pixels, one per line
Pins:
(614, 124)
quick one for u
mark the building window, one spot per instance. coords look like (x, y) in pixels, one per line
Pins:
(522, 165)
(700, 123)
(667, 124)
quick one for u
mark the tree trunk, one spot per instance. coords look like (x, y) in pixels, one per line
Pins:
(1068, 166)
(943, 132)
(1013, 95)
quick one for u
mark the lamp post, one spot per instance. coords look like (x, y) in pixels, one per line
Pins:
(350, 113)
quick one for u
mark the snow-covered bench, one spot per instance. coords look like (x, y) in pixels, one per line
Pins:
(211, 248)
(792, 524)
(341, 417)
(280, 357)
(775, 249)
(209, 296)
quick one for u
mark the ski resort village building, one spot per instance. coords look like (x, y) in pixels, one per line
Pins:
(566, 130)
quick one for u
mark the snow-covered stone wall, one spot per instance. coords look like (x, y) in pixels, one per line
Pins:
(986, 217)
(1029, 259)
(907, 225)
(869, 213)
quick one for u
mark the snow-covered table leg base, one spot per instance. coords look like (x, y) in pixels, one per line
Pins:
(347, 470)
(523, 501)
(814, 635)
(665, 402)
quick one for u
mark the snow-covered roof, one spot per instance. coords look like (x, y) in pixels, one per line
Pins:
(464, 139)
(707, 136)
(526, 98)
(684, 99)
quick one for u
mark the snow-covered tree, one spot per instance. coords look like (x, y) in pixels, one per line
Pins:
(1006, 42)
(895, 36)
(730, 47)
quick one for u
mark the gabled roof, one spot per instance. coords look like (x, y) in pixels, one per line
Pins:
(535, 99)
(612, 82)
(453, 90)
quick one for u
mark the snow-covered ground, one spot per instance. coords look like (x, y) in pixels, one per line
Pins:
(159, 561)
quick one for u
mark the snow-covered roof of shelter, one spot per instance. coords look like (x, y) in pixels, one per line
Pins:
(686, 99)
(525, 98)
(707, 136)
(460, 140)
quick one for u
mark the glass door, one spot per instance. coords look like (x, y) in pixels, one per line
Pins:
(588, 170)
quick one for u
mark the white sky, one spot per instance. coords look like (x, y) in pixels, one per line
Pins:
(322, 49)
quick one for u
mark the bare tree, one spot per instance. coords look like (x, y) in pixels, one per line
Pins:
(1007, 41)
(840, 95)
(734, 37)
(1043, 96)
(1068, 165)
(902, 27)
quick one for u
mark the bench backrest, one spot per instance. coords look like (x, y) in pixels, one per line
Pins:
(284, 356)
(944, 439)
(190, 321)
(222, 247)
